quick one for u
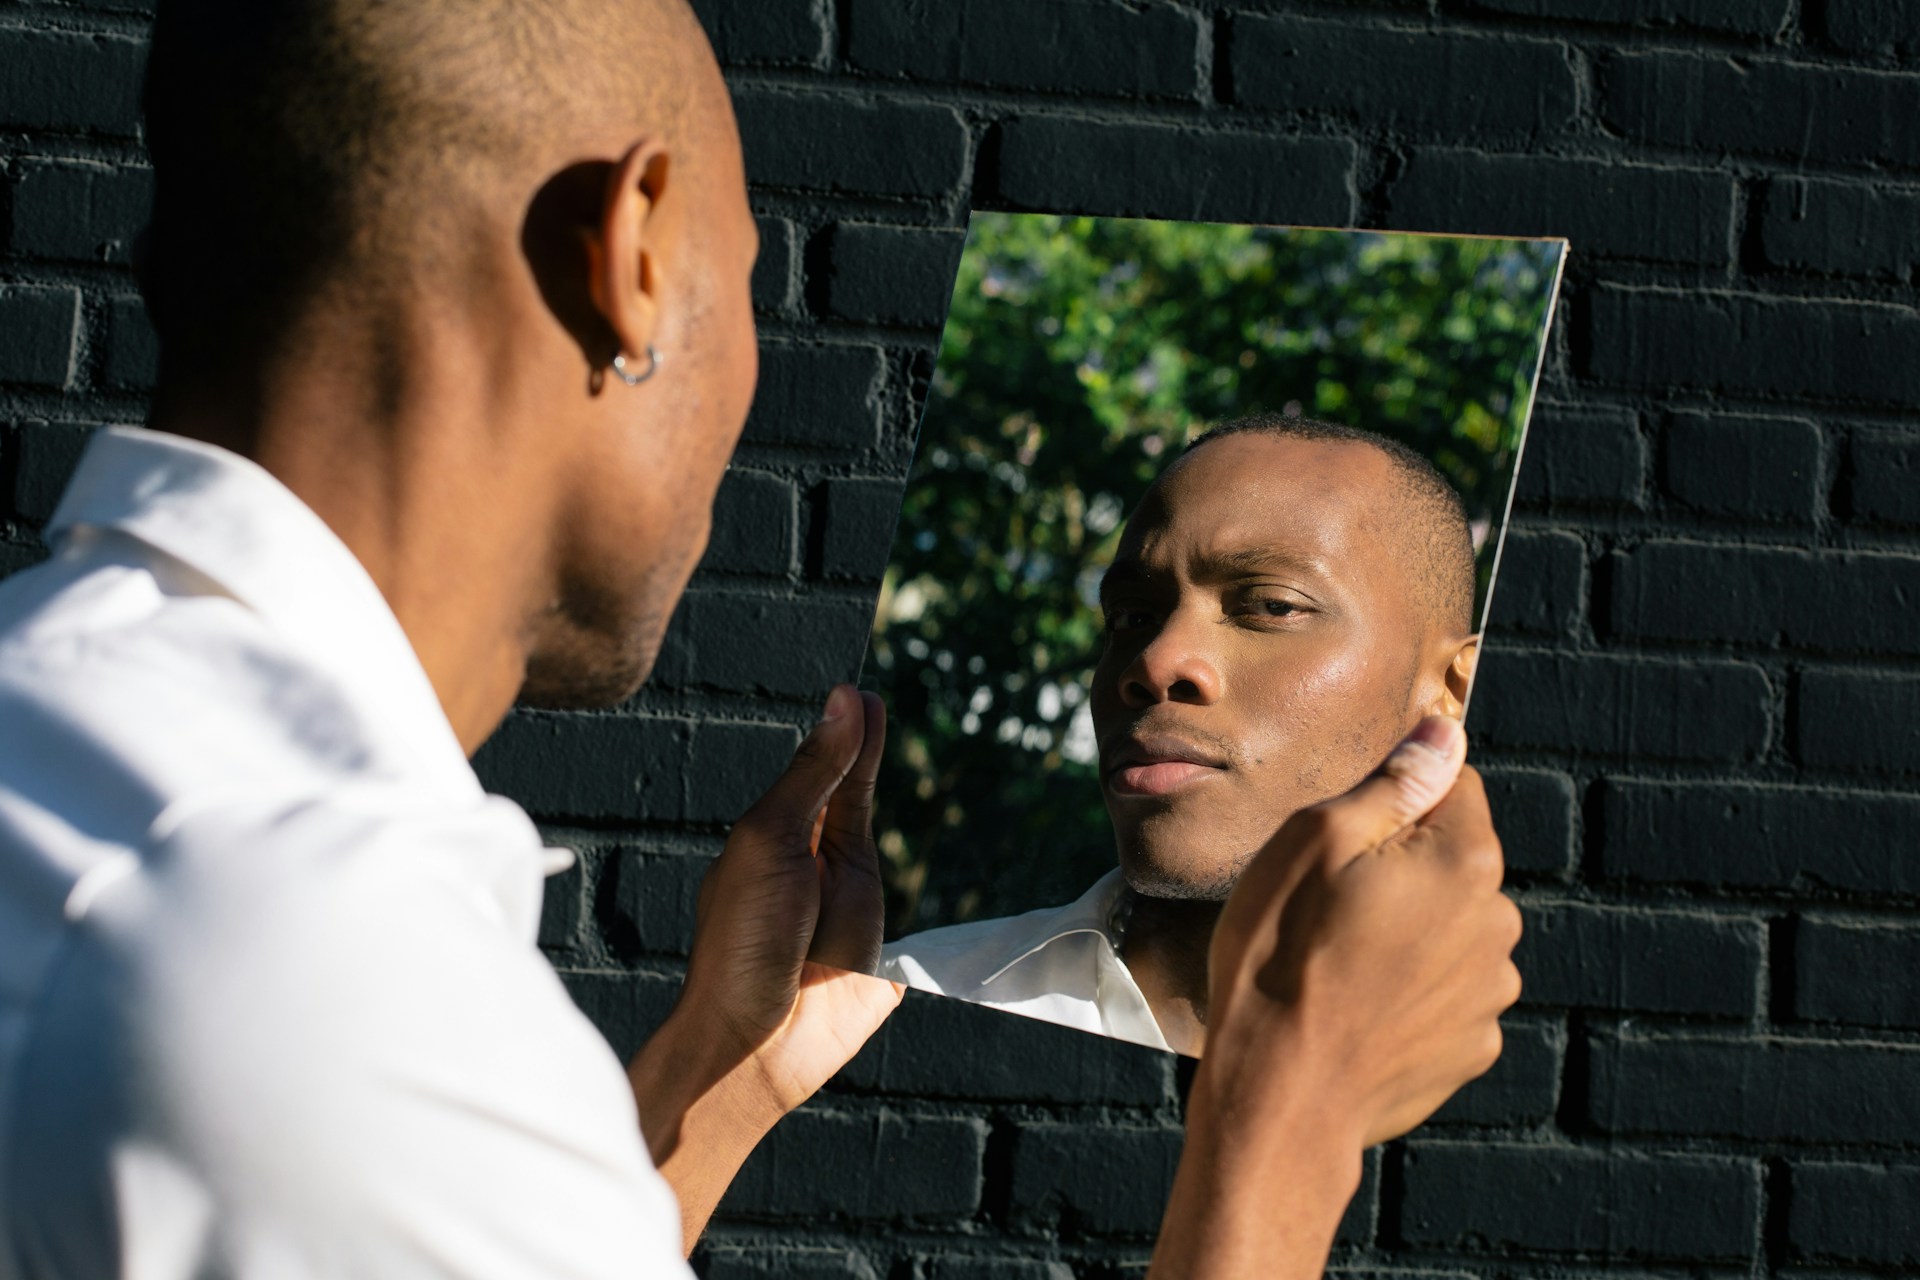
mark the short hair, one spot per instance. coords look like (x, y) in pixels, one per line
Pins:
(292, 137)
(1447, 576)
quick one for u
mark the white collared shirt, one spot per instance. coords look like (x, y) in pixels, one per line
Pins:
(1059, 964)
(270, 1004)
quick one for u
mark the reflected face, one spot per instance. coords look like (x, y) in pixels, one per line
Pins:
(1266, 649)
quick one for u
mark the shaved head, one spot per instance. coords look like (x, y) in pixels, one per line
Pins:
(1433, 519)
(356, 143)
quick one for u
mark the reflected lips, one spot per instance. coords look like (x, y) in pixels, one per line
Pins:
(1158, 766)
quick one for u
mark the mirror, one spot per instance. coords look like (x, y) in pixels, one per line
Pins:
(1120, 651)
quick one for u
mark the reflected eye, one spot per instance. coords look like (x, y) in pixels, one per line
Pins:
(1120, 617)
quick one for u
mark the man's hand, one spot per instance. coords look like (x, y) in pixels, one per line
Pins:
(778, 994)
(1357, 977)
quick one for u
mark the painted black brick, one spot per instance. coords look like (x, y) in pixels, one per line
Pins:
(1644, 708)
(70, 82)
(79, 212)
(851, 146)
(45, 455)
(1874, 26)
(787, 1264)
(1747, 17)
(963, 1268)
(788, 32)
(133, 349)
(748, 642)
(1050, 46)
(1830, 601)
(1748, 467)
(1710, 104)
(891, 275)
(937, 1048)
(563, 912)
(755, 524)
(1760, 837)
(1170, 171)
(876, 1165)
(1776, 1090)
(1542, 586)
(654, 899)
(860, 516)
(776, 274)
(1533, 810)
(731, 763)
(1655, 213)
(1845, 228)
(1867, 974)
(561, 765)
(818, 396)
(1632, 959)
(1858, 720)
(1566, 1200)
(1855, 1213)
(1750, 344)
(38, 327)
(1583, 457)
(1523, 1088)
(1884, 476)
(1433, 83)
(626, 1007)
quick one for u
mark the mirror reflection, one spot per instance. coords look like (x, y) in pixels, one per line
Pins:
(1203, 520)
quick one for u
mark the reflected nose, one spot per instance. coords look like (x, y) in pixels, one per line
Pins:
(1174, 666)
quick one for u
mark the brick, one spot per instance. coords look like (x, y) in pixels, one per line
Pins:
(1641, 961)
(1798, 111)
(1421, 81)
(1050, 46)
(626, 1007)
(1643, 708)
(940, 1048)
(1756, 468)
(787, 32)
(755, 522)
(1606, 208)
(1746, 344)
(1774, 1090)
(1149, 171)
(850, 147)
(1523, 1089)
(79, 212)
(1582, 458)
(731, 765)
(1747, 17)
(878, 1166)
(1851, 720)
(787, 1263)
(1874, 26)
(1857, 973)
(818, 396)
(1533, 810)
(776, 272)
(859, 516)
(1793, 838)
(569, 765)
(47, 453)
(965, 1268)
(1541, 586)
(66, 81)
(892, 275)
(1855, 1213)
(796, 648)
(38, 328)
(655, 899)
(1560, 1200)
(563, 909)
(133, 349)
(1884, 476)
(1063, 1179)
(1843, 228)
(1765, 596)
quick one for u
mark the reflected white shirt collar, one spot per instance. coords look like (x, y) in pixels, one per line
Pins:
(228, 519)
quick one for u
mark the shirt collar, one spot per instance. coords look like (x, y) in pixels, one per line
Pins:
(1092, 912)
(230, 520)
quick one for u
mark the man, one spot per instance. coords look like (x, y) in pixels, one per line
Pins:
(455, 342)
(1291, 598)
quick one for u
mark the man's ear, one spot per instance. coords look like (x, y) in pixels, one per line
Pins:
(1457, 680)
(625, 259)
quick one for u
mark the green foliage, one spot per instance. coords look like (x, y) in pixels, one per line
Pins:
(1079, 356)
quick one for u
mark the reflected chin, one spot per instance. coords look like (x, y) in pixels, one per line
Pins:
(1180, 879)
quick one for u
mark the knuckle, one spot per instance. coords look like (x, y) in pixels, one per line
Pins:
(1487, 1049)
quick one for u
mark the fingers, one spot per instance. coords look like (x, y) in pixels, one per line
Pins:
(793, 804)
(1415, 778)
(849, 814)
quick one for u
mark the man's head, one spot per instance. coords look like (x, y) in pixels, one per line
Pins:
(1289, 600)
(460, 214)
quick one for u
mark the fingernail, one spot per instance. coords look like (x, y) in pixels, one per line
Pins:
(1438, 734)
(836, 707)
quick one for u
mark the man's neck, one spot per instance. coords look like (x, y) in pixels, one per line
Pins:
(1165, 948)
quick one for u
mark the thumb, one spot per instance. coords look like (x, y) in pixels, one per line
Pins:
(793, 804)
(1404, 789)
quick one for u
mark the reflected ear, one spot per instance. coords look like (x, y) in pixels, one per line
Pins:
(1459, 678)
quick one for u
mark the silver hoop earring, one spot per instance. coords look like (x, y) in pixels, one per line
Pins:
(627, 375)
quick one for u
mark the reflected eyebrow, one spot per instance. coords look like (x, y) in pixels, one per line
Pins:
(1128, 572)
(1259, 560)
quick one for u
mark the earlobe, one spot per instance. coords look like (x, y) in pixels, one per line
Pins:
(1459, 680)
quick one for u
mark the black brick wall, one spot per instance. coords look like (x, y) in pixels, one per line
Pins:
(1701, 711)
